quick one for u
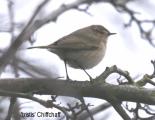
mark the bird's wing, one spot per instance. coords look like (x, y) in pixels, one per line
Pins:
(72, 42)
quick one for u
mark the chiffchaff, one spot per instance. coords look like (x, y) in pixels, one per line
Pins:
(82, 49)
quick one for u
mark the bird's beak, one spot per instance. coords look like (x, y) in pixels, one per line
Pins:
(111, 34)
(41, 47)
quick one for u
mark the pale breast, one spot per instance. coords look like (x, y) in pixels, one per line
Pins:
(85, 59)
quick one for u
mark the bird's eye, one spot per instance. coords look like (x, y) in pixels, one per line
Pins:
(99, 29)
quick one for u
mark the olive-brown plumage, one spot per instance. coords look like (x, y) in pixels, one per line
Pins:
(83, 49)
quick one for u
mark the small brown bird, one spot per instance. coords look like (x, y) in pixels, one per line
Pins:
(82, 49)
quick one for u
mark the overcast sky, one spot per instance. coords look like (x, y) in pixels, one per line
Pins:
(125, 49)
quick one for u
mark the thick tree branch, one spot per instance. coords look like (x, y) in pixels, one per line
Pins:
(98, 88)
(78, 88)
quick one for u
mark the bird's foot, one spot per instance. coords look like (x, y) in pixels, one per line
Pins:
(67, 78)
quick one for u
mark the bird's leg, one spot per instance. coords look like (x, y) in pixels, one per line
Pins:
(67, 76)
(91, 79)
(87, 74)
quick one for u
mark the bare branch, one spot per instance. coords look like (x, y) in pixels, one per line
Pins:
(114, 69)
(147, 78)
(27, 31)
(11, 107)
(122, 8)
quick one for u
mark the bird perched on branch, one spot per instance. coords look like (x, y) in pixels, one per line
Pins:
(82, 49)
